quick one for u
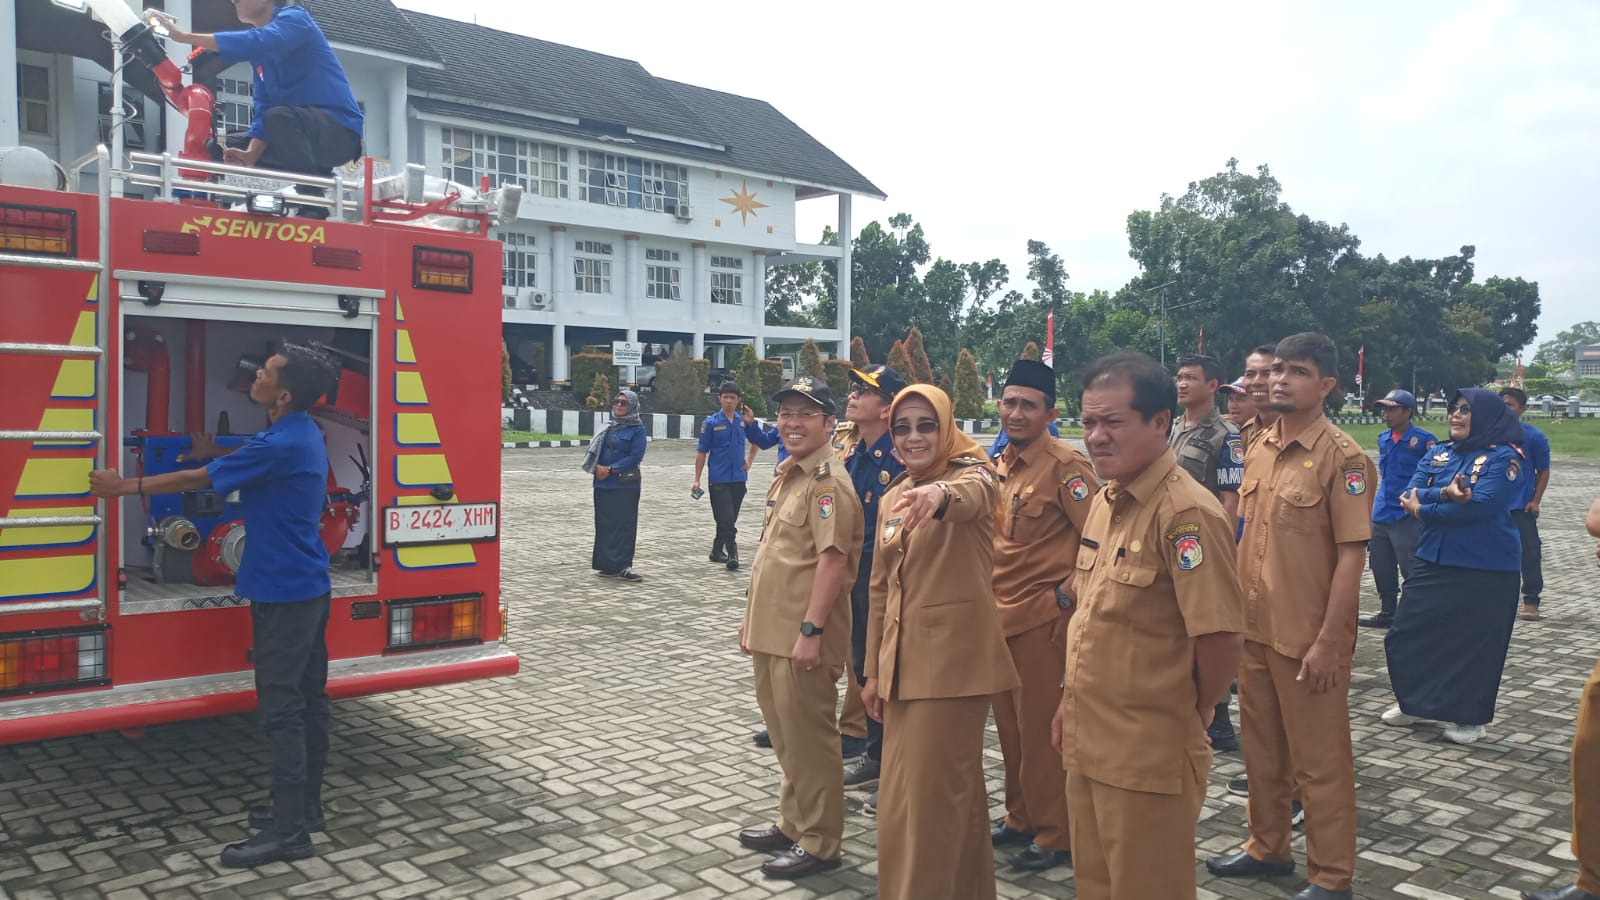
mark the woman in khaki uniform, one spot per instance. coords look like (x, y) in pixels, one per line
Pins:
(935, 657)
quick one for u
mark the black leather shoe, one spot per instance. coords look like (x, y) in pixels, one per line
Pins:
(763, 739)
(1243, 865)
(717, 556)
(768, 839)
(1377, 620)
(1312, 892)
(261, 820)
(265, 847)
(1003, 834)
(733, 563)
(1223, 740)
(1035, 858)
(796, 863)
(1570, 892)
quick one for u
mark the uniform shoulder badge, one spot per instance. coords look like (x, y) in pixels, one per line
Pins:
(1413, 442)
(968, 461)
(1235, 449)
(1512, 472)
(986, 475)
(1355, 482)
(1190, 554)
(1077, 486)
(825, 505)
(823, 470)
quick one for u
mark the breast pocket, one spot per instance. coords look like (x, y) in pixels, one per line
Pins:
(1026, 521)
(1127, 598)
(1301, 509)
(793, 512)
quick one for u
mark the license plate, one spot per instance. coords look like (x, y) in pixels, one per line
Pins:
(441, 523)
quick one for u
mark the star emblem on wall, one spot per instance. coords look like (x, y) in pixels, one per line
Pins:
(744, 203)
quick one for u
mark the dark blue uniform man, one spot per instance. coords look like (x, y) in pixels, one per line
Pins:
(1525, 505)
(722, 442)
(281, 475)
(1394, 534)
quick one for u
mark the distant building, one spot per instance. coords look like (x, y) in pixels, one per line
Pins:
(1586, 362)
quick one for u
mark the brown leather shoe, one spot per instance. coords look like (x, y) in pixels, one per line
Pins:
(770, 839)
(796, 863)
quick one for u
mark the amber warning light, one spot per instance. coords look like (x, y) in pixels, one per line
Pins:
(441, 270)
(38, 230)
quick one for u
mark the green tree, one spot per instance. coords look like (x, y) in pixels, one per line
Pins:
(809, 361)
(899, 361)
(969, 387)
(599, 393)
(749, 380)
(505, 373)
(680, 386)
(917, 355)
(858, 353)
(792, 293)
(1560, 352)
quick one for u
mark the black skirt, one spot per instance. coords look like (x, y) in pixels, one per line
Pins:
(1447, 648)
(616, 527)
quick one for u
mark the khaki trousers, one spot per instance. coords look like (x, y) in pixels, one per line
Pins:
(933, 805)
(1294, 738)
(798, 708)
(852, 715)
(1586, 787)
(1036, 785)
(1133, 845)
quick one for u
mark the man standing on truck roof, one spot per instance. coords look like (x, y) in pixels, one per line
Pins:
(281, 476)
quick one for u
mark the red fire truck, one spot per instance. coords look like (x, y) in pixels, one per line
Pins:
(127, 324)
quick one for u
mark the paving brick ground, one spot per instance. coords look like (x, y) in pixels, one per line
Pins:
(618, 763)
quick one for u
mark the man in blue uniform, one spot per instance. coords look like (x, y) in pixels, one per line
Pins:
(305, 117)
(1525, 506)
(281, 476)
(722, 441)
(1394, 534)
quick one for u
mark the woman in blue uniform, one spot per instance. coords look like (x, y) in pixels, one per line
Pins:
(613, 458)
(1447, 648)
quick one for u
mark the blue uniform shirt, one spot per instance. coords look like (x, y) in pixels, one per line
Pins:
(722, 440)
(765, 438)
(1536, 447)
(623, 449)
(1230, 463)
(872, 468)
(281, 475)
(1000, 442)
(294, 66)
(1397, 462)
(1478, 534)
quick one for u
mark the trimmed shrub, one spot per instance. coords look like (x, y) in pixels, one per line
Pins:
(599, 393)
(838, 375)
(584, 368)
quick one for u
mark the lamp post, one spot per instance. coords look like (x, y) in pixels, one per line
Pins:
(1162, 306)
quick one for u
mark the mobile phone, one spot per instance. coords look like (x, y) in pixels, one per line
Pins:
(697, 493)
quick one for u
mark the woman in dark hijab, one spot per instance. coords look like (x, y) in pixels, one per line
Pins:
(1447, 647)
(613, 459)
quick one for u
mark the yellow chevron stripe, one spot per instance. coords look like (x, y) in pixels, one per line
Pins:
(403, 352)
(13, 538)
(75, 378)
(421, 469)
(416, 429)
(55, 477)
(408, 388)
(50, 576)
(66, 420)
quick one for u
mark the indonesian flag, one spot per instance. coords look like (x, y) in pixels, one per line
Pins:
(1049, 355)
(1361, 362)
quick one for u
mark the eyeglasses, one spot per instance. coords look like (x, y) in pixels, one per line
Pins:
(1460, 409)
(620, 401)
(791, 416)
(924, 426)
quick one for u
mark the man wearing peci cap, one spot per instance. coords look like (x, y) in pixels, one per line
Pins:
(796, 629)
(1394, 534)
(1046, 489)
(722, 443)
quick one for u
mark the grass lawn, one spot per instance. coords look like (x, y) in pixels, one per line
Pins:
(508, 436)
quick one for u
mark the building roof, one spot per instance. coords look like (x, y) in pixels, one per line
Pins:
(370, 24)
(527, 83)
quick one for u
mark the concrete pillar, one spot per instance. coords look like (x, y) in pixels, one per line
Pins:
(700, 278)
(846, 237)
(399, 131)
(632, 292)
(177, 123)
(758, 299)
(560, 293)
(10, 128)
(699, 344)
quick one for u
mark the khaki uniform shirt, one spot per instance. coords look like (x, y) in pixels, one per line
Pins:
(1251, 432)
(933, 630)
(1045, 490)
(811, 507)
(1299, 502)
(1156, 571)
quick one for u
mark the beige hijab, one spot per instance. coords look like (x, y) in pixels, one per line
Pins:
(953, 443)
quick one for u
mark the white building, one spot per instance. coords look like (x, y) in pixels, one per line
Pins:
(652, 209)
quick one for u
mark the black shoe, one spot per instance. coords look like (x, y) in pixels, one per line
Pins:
(1570, 892)
(763, 739)
(265, 847)
(1035, 858)
(862, 774)
(1243, 865)
(1377, 620)
(629, 575)
(261, 820)
(717, 556)
(770, 839)
(1003, 834)
(1239, 787)
(1312, 892)
(851, 747)
(796, 863)
(733, 566)
(1223, 739)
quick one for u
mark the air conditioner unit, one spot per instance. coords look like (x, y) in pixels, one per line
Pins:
(537, 299)
(511, 301)
(683, 213)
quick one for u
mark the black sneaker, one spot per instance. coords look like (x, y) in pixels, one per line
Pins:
(763, 739)
(862, 774)
(1376, 620)
(717, 556)
(1223, 739)
(629, 575)
(1239, 787)
(733, 559)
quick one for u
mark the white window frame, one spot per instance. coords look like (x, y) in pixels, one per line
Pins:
(540, 168)
(519, 260)
(591, 266)
(608, 178)
(236, 101)
(47, 106)
(663, 274)
(727, 280)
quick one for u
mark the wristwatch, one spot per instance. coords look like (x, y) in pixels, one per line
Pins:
(809, 630)
(1064, 602)
(944, 505)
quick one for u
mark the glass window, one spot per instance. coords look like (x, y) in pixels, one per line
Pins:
(521, 263)
(631, 182)
(470, 156)
(591, 266)
(33, 99)
(663, 276)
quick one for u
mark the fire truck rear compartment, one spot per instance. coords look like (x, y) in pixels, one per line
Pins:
(185, 375)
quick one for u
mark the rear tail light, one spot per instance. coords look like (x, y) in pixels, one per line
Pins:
(36, 661)
(33, 229)
(435, 622)
(435, 269)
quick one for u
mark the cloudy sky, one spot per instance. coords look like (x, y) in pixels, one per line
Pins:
(1423, 125)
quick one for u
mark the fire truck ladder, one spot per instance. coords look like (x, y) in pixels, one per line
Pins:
(90, 607)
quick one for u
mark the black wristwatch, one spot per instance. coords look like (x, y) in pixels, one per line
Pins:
(809, 630)
(1063, 601)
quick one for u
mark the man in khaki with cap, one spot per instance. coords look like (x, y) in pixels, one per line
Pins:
(797, 630)
(1045, 492)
